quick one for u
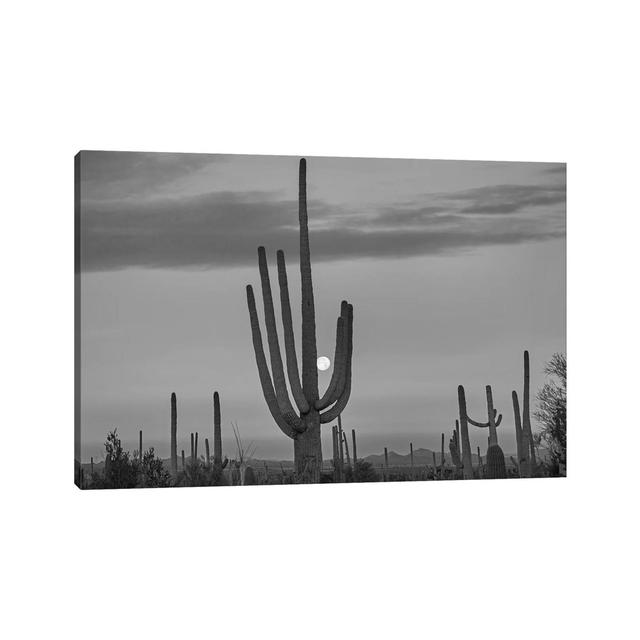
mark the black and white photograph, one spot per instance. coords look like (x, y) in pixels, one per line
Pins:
(320, 319)
(260, 320)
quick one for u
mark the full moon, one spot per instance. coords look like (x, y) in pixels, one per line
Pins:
(323, 363)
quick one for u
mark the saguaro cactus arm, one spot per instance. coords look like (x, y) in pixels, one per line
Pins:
(482, 425)
(277, 370)
(286, 423)
(289, 340)
(343, 399)
(336, 384)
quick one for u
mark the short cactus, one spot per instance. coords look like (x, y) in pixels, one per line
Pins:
(217, 434)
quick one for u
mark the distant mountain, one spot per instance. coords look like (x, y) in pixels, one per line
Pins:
(421, 458)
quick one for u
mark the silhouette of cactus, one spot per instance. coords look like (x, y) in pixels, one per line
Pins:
(411, 457)
(174, 435)
(207, 457)
(217, 434)
(527, 434)
(346, 451)
(495, 467)
(524, 437)
(467, 464)
(493, 421)
(522, 448)
(337, 467)
(454, 449)
(303, 429)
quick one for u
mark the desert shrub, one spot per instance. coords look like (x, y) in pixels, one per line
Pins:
(151, 472)
(120, 472)
(364, 472)
(552, 414)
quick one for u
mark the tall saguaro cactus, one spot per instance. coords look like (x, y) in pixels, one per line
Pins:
(217, 434)
(495, 456)
(303, 425)
(527, 434)
(174, 435)
(524, 436)
(467, 465)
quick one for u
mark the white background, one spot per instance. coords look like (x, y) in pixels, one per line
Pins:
(553, 81)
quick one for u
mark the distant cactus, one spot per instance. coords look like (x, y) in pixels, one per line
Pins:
(303, 429)
(527, 434)
(454, 449)
(411, 459)
(337, 468)
(217, 434)
(346, 451)
(494, 452)
(174, 435)
(386, 464)
(207, 457)
(465, 444)
(355, 449)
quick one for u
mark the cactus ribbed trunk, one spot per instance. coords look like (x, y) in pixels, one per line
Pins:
(346, 449)
(303, 429)
(217, 431)
(174, 435)
(493, 432)
(496, 467)
(411, 454)
(522, 445)
(334, 442)
(464, 435)
(307, 449)
(309, 348)
(527, 434)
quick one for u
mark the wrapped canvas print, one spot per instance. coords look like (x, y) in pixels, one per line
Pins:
(255, 320)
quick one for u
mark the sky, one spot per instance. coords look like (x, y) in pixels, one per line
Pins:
(453, 269)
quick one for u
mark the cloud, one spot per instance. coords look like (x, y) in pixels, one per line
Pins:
(134, 213)
(507, 199)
